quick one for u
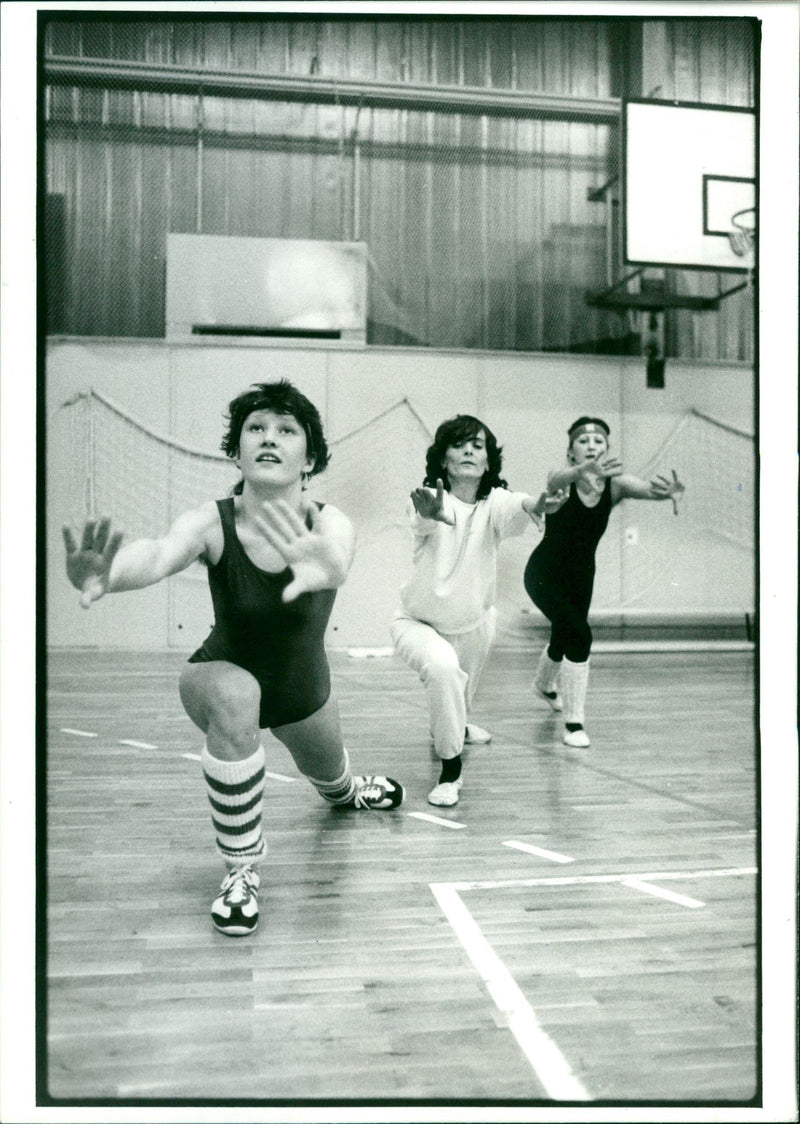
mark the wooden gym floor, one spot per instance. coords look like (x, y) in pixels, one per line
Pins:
(580, 927)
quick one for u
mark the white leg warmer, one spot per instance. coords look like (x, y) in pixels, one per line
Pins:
(574, 681)
(546, 673)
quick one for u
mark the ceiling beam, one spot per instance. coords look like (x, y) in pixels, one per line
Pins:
(166, 78)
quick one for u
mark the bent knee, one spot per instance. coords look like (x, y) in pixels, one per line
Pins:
(442, 668)
(224, 696)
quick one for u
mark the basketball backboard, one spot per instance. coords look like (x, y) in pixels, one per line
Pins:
(688, 170)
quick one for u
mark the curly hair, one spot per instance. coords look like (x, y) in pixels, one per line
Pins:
(282, 398)
(454, 431)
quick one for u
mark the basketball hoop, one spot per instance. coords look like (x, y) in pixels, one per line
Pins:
(742, 235)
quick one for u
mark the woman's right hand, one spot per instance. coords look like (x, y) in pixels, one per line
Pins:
(430, 505)
(594, 471)
(89, 565)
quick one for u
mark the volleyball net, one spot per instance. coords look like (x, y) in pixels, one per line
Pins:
(121, 467)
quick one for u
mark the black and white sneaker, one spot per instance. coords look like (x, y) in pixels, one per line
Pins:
(235, 910)
(377, 793)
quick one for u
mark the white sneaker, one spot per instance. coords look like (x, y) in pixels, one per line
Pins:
(578, 739)
(445, 795)
(552, 698)
(235, 909)
(474, 735)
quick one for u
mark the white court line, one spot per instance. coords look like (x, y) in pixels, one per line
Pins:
(578, 879)
(660, 892)
(434, 819)
(136, 745)
(274, 776)
(78, 733)
(540, 851)
(549, 1064)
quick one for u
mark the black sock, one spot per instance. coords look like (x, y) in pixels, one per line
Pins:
(451, 769)
(573, 726)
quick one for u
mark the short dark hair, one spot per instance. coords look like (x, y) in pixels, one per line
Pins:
(454, 431)
(282, 398)
(588, 421)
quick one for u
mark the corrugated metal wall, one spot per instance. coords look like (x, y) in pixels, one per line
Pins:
(479, 229)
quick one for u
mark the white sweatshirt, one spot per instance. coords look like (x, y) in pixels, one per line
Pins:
(452, 586)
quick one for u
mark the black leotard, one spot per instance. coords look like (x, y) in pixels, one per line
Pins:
(281, 644)
(559, 576)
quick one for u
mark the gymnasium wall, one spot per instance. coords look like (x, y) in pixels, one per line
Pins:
(485, 229)
(649, 563)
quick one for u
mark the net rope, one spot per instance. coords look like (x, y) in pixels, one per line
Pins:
(716, 461)
(143, 479)
(717, 464)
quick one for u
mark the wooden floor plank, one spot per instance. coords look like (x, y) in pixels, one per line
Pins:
(356, 986)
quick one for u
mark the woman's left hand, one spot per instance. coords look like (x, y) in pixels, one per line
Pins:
(315, 559)
(665, 489)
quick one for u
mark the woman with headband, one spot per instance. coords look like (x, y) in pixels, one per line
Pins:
(559, 576)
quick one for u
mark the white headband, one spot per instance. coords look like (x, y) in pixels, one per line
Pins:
(587, 427)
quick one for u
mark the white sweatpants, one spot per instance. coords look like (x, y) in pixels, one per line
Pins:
(450, 668)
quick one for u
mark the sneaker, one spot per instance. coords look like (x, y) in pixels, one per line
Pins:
(235, 909)
(551, 697)
(445, 795)
(377, 793)
(578, 739)
(474, 735)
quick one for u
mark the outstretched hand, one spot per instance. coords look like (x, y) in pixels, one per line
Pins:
(89, 565)
(595, 471)
(546, 504)
(663, 488)
(554, 501)
(430, 505)
(315, 559)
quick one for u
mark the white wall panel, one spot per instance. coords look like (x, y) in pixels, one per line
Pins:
(528, 400)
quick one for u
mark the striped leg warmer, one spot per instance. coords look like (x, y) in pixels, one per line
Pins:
(340, 791)
(235, 792)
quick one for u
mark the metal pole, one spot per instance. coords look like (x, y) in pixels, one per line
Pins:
(199, 216)
(90, 497)
(165, 78)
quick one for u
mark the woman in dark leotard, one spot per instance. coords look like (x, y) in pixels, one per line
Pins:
(274, 563)
(559, 576)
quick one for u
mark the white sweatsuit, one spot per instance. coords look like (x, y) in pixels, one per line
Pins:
(446, 625)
